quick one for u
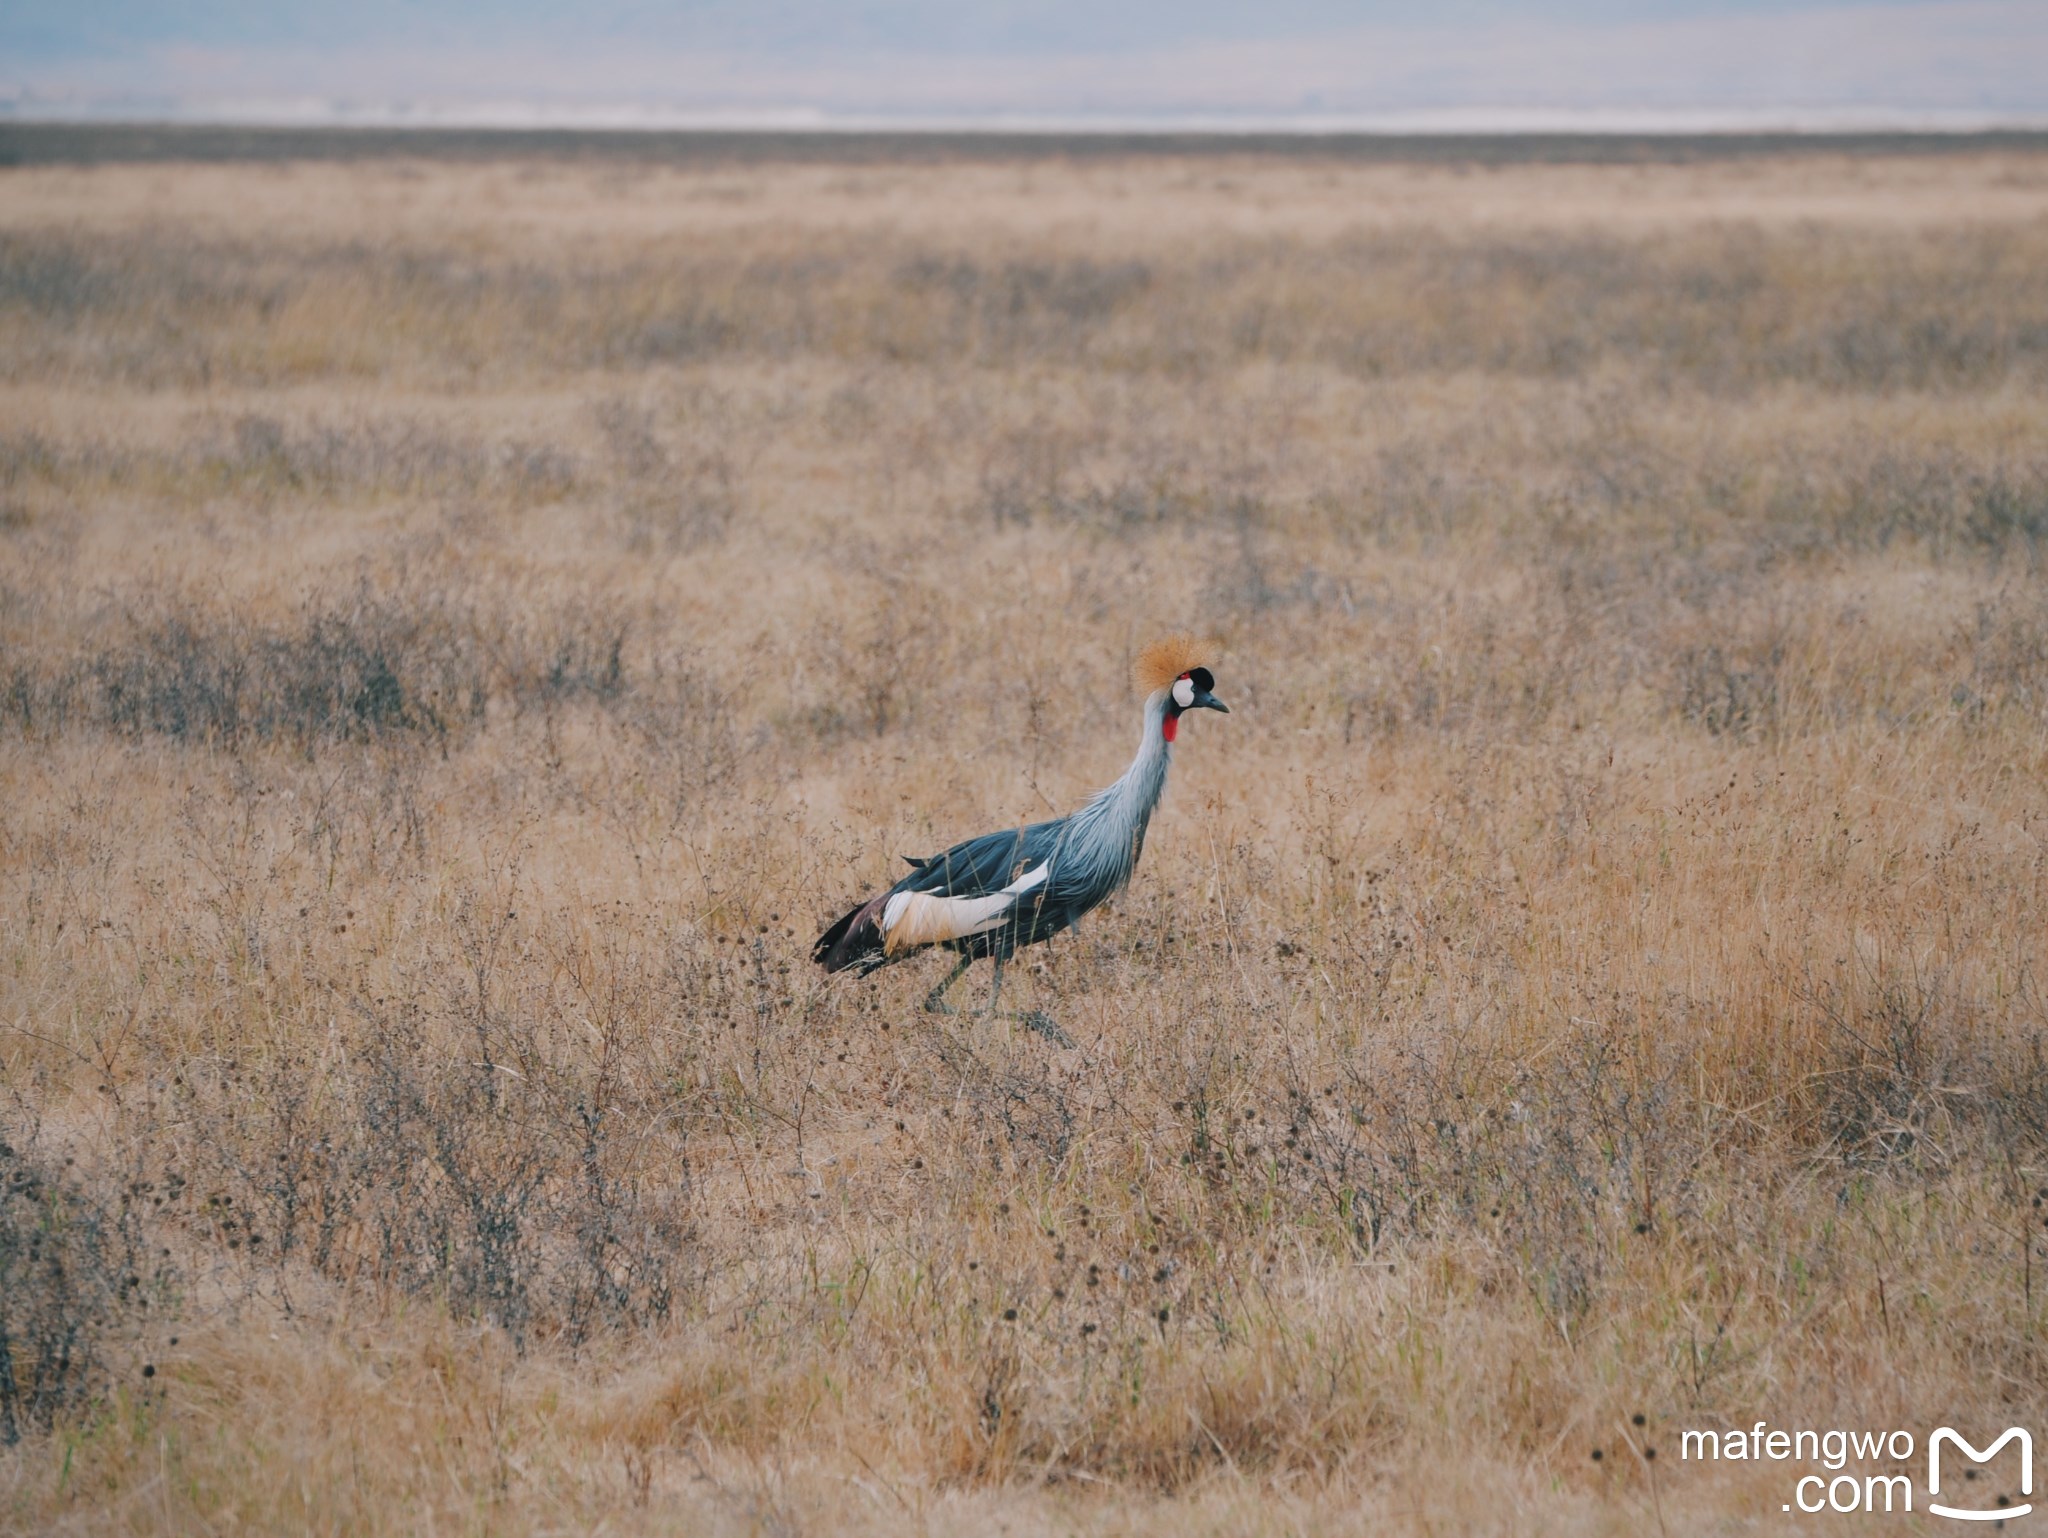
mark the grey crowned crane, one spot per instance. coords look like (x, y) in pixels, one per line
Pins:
(992, 895)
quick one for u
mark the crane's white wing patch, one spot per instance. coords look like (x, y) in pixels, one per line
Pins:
(911, 919)
(1028, 880)
(920, 918)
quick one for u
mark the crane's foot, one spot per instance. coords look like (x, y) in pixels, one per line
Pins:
(1038, 1021)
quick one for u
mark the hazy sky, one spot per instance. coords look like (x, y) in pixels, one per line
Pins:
(955, 58)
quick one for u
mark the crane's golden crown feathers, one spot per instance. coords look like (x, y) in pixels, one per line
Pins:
(1159, 664)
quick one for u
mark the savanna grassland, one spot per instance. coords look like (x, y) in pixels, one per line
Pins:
(466, 626)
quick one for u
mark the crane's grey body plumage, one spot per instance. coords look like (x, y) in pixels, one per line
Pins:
(993, 895)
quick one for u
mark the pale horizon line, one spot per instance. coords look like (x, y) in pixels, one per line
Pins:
(27, 108)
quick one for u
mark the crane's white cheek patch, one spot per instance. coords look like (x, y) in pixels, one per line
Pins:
(1184, 692)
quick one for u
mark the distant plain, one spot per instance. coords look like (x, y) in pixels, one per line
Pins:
(467, 621)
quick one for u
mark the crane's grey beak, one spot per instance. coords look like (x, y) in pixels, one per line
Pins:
(1204, 700)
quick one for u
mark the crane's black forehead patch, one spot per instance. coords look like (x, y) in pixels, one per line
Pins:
(1202, 679)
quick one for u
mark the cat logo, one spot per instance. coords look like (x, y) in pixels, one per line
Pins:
(1995, 1513)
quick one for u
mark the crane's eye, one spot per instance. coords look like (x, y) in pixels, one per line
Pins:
(1184, 691)
(1204, 680)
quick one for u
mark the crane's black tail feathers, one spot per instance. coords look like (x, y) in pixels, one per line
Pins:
(856, 940)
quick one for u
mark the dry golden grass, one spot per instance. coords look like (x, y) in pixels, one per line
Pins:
(464, 629)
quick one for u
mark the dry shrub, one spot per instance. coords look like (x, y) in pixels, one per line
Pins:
(82, 1288)
(419, 662)
(498, 1174)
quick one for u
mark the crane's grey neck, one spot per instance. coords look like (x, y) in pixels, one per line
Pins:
(1109, 832)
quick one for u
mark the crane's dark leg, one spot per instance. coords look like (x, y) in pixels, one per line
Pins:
(935, 1001)
(1031, 1019)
